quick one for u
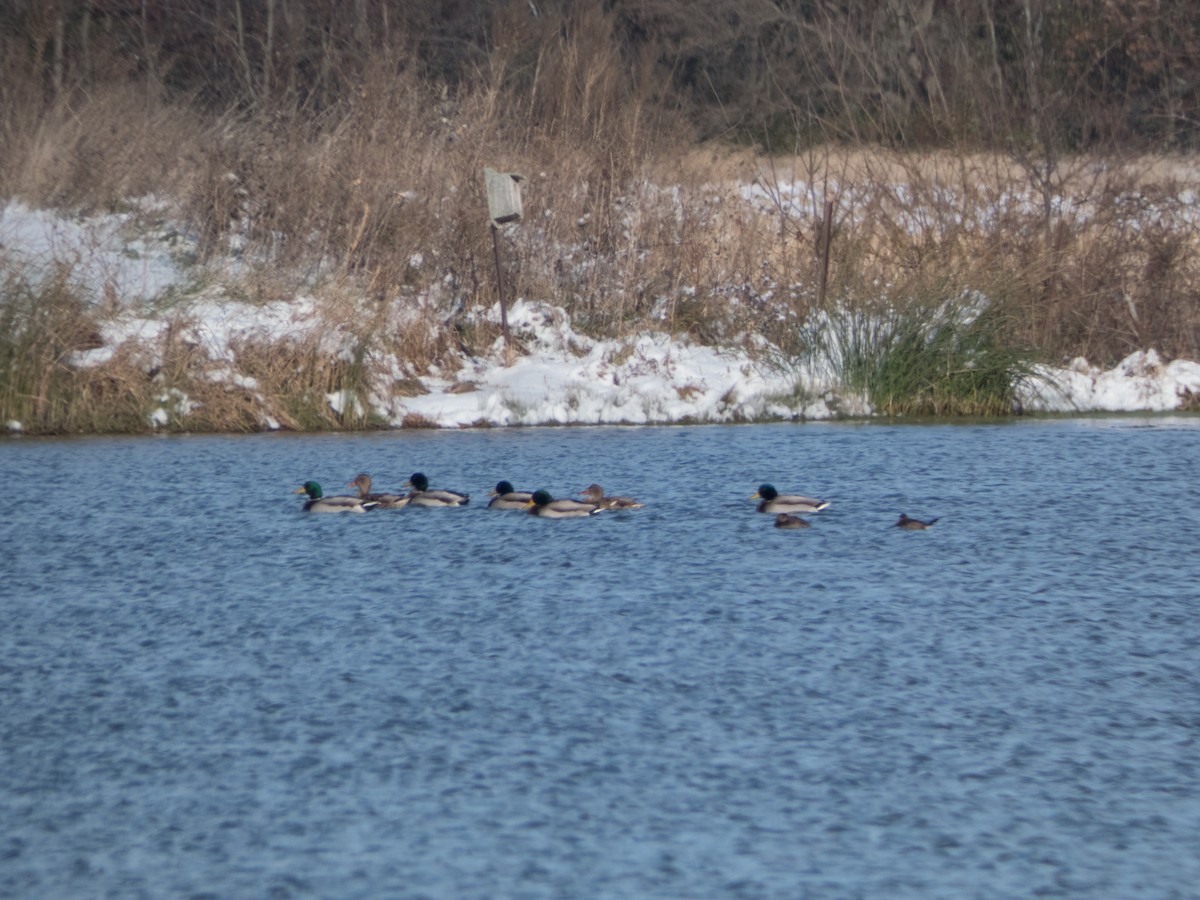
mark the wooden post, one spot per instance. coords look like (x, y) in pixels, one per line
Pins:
(504, 205)
(503, 302)
(826, 240)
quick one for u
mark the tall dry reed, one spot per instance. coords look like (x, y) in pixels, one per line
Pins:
(373, 201)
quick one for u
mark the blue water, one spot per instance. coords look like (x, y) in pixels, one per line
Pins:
(206, 693)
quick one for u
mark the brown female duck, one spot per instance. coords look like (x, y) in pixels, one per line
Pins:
(362, 481)
(593, 493)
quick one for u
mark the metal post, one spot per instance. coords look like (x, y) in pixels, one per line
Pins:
(826, 240)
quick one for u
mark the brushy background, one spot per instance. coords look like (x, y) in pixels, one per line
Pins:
(1036, 154)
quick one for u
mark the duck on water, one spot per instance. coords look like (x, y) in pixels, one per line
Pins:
(317, 502)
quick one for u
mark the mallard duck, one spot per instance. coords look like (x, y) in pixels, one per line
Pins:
(362, 481)
(783, 520)
(593, 493)
(318, 502)
(915, 524)
(542, 504)
(774, 502)
(505, 497)
(421, 495)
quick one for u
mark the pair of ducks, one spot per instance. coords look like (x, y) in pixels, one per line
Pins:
(783, 520)
(789, 508)
(541, 503)
(420, 495)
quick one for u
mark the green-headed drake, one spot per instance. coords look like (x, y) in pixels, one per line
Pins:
(542, 504)
(504, 496)
(317, 502)
(771, 501)
(593, 493)
(915, 524)
(362, 481)
(783, 520)
(421, 495)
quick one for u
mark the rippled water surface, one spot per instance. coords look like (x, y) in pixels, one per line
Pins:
(206, 693)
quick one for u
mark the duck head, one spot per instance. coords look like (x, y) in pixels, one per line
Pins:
(593, 493)
(311, 488)
(765, 492)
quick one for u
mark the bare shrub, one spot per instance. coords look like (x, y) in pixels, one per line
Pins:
(97, 151)
(347, 163)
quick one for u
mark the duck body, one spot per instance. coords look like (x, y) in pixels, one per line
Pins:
(362, 481)
(504, 496)
(317, 502)
(771, 501)
(914, 524)
(593, 493)
(421, 495)
(542, 504)
(783, 520)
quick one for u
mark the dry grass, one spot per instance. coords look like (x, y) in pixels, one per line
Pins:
(1108, 268)
(96, 151)
(376, 206)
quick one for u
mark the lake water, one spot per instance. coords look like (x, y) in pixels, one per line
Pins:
(206, 693)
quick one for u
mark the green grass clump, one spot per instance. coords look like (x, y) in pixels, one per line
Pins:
(955, 358)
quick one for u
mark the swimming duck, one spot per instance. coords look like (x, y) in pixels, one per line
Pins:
(774, 502)
(318, 502)
(783, 520)
(914, 524)
(505, 497)
(593, 493)
(362, 481)
(421, 495)
(542, 504)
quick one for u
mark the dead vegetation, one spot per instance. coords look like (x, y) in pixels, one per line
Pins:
(362, 186)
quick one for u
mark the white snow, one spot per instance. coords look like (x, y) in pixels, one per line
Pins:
(1139, 383)
(566, 378)
(104, 255)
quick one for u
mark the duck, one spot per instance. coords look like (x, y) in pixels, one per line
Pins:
(593, 493)
(542, 504)
(783, 520)
(317, 502)
(915, 524)
(774, 502)
(504, 496)
(421, 495)
(362, 481)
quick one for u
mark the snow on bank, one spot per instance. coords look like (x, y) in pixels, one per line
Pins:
(1139, 383)
(106, 256)
(564, 378)
(572, 379)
